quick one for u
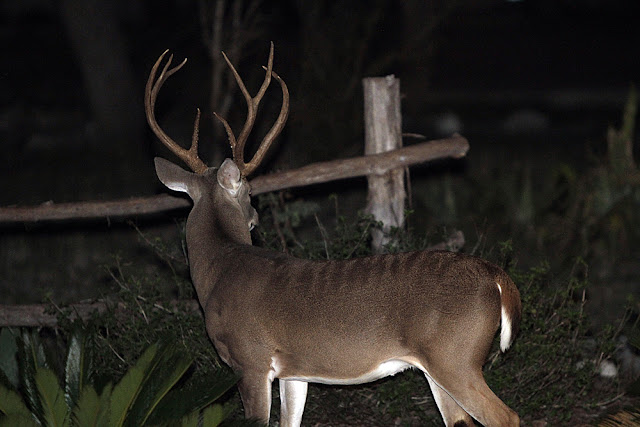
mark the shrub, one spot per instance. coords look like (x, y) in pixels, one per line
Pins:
(145, 395)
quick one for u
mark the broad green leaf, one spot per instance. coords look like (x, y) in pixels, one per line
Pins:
(92, 409)
(125, 392)
(16, 420)
(55, 410)
(11, 403)
(34, 346)
(198, 393)
(87, 410)
(31, 357)
(8, 361)
(78, 367)
(190, 420)
(167, 367)
(104, 417)
(214, 415)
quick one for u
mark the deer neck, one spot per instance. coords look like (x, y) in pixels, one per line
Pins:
(211, 233)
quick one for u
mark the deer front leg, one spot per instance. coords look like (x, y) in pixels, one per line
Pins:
(255, 391)
(293, 395)
(452, 414)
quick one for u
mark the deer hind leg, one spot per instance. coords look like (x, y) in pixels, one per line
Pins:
(471, 392)
(255, 391)
(452, 414)
(293, 395)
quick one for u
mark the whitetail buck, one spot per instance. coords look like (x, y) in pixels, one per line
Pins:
(271, 315)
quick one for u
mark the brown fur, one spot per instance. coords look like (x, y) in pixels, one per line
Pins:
(270, 314)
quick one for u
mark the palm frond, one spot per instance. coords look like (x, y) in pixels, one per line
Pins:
(31, 356)
(78, 367)
(55, 410)
(167, 367)
(126, 391)
(8, 361)
(194, 396)
(11, 403)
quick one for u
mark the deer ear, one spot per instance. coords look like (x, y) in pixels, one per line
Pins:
(173, 176)
(229, 177)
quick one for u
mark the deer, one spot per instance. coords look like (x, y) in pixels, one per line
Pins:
(273, 316)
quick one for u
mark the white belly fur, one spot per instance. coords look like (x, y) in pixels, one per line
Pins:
(385, 369)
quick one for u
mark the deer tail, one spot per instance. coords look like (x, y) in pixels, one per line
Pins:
(511, 312)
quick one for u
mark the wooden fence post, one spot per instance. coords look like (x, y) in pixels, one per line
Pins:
(383, 132)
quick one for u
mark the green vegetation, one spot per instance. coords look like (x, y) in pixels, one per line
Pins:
(551, 369)
(146, 395)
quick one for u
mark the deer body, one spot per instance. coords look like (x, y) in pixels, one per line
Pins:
(271, 315)
(336, 322)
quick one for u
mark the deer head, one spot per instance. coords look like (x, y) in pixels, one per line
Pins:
(227, 187)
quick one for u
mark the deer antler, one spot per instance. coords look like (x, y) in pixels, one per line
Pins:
(237, 145)
(190, 156)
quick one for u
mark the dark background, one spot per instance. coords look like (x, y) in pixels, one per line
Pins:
(531, 84)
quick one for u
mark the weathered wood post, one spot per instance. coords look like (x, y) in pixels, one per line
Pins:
(383, 132)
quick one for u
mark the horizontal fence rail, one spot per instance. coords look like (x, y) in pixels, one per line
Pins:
(316, 173)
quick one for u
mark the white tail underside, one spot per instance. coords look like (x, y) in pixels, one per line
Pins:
(505, 330)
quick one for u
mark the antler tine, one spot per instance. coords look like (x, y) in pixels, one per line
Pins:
(190, 156)
(275, 129)
(238, 144)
